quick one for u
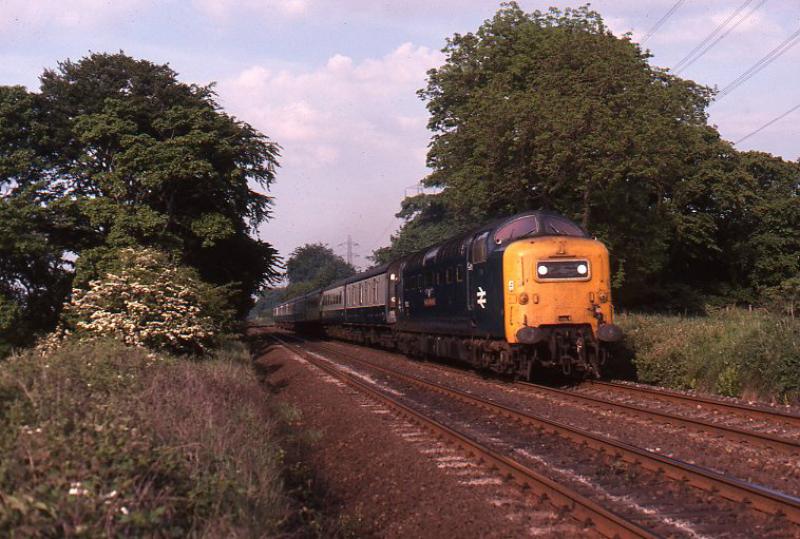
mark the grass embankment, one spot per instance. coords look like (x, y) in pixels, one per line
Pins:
(731, 352)
(104, 440)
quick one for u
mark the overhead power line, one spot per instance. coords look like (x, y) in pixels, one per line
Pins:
(769, 123)
(660, 22)
(770, 57)
(709, 42)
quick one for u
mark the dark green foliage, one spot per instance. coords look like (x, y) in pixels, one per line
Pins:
(34, 279)
(732, 352)
(262, 310)
(551, 111)
(117, 152)
(313, 266)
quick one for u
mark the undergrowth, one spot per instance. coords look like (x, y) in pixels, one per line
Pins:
(103, 440)
(732, 352)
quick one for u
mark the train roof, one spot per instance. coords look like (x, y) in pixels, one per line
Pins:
(451, 246)
(371, 272)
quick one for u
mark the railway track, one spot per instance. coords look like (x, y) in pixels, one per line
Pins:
(581, 509)
(750, 495)
(761, 439)
(734, 433)
(707, 403)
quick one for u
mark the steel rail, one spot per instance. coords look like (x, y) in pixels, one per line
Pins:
(761, 498)
(769, 440)
(709, 402)
(581, 509)
(749, 436)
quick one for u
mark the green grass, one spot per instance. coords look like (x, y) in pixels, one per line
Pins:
(731, 352)
(103, 440)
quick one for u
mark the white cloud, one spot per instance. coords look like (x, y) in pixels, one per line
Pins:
(337, 103)
(353, 135)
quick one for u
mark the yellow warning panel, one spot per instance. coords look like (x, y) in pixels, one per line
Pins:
(554, 280)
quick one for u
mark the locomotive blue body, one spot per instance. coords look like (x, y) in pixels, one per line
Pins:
(528, 290)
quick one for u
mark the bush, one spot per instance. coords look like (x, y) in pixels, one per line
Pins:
(148, 301)
(103, 440)
(732, 352)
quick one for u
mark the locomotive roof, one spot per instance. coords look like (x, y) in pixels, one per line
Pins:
(418, 257)
(444, 247)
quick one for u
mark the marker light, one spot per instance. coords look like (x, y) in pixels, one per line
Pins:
(582, 269)
(542, 270)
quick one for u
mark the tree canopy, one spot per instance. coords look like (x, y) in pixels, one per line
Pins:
(313, 266)
(550, 110)
(309, 267)
(114, 152)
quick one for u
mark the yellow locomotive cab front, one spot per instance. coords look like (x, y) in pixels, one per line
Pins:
(557, 282)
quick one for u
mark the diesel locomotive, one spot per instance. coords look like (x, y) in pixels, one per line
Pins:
(525, 292)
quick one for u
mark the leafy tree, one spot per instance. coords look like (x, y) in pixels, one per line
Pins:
(134, 157)
(313, 266)
(771, 249)
(267, 299)
(34, 278)
(310, 267)
(148, 301)
(552, 111)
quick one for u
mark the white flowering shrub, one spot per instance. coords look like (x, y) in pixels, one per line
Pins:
(147, 302)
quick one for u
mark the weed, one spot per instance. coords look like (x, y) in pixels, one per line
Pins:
(732, 352)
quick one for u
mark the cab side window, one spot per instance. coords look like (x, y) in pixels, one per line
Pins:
(480, 248)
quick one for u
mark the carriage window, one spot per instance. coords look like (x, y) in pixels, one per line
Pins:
(448, 275)
(459, 274)
(428, 278)
(560, 226)
(437, 278)
(517, 228)
(480, 249)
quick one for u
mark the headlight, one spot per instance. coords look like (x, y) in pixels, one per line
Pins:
(553, 270)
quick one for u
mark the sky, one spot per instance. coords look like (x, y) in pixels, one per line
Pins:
(334, 82)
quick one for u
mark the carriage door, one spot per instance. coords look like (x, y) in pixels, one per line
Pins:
(477, 281)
